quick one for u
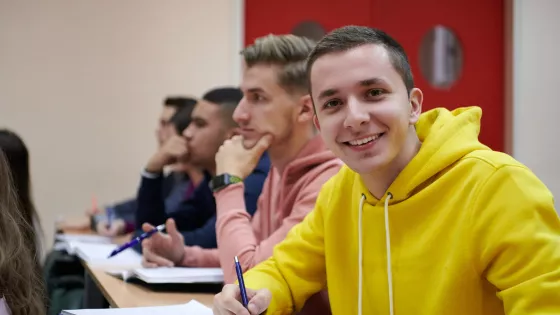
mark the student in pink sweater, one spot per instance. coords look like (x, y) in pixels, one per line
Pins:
(276, 115)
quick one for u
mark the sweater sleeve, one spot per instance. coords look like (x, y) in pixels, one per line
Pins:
(516, 233)
(234, 228)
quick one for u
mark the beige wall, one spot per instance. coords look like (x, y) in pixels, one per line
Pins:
(536, 110)
(82, 83)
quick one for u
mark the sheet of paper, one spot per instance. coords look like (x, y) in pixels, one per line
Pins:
(83, 238)
(98, 253)
(192, 308)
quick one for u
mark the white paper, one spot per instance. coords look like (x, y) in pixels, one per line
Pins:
(83, 238)
(5, 309)
(192, 308)
(98, 254)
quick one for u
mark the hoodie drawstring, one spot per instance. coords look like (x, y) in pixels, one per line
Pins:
(388, 250)
(360, 254)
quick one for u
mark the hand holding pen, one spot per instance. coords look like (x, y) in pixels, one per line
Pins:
(137, 240)
(239, 300)
(163, 250)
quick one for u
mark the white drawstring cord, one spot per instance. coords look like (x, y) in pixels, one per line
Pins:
(360, 255)
(388, 249)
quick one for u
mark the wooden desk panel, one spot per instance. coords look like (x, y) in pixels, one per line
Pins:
(122, 294)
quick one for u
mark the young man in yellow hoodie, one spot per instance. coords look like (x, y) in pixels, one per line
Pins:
(424, 219)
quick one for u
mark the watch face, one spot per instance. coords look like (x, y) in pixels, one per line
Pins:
(223, 180)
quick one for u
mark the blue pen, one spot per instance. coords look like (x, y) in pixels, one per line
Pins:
(137, 240)
(241, 283)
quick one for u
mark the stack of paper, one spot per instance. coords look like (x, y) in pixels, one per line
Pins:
(62, 240)
(83, 238)
(94, 253)
(172, 275)
(191, 308)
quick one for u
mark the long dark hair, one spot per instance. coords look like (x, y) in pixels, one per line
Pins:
(21, 283)
(17, 156)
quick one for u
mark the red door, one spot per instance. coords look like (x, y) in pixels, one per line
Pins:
(478, 25)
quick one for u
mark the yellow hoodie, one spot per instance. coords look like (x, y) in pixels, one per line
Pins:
(462, 230)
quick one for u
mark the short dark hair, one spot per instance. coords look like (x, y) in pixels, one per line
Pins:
(179, 102)
(350, 37)
(227, 98)
(182, 117)
(287, 51)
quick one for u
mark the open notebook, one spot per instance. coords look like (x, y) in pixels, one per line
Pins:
(192, 308)
(97, 253)
(172, 275)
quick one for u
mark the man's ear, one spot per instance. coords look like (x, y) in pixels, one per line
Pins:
(416, 98)
(305, 109)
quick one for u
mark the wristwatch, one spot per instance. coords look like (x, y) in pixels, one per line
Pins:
(221, 181)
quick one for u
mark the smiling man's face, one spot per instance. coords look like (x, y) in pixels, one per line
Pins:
(362, 106)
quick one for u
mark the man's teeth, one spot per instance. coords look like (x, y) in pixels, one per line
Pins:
(364, 140)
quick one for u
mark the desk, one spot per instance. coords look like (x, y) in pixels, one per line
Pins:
(122, 294)
(100, 286)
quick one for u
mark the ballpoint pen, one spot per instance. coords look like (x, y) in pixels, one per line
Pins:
(137, 240)
(241, 283)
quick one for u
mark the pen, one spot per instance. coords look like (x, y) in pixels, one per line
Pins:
(137, 240)
(241, 283)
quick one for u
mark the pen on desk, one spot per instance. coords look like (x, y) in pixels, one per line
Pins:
(137, 240)
(241, 283)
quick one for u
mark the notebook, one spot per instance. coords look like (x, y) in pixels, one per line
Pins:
(94, 253)
(192, 308)
(171, 275)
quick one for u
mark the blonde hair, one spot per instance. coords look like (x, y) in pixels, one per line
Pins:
(287, 51)
(21, 283)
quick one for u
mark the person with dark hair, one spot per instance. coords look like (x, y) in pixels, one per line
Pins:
(176, 111)
(423, 219)
(17, 156)
(21, 285)
(194, 224)
(171, 106)
(177, 185)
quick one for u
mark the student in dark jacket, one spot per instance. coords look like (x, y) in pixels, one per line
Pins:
(211, 125)
(177, 183)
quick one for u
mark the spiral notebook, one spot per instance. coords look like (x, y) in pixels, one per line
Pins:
(192, 308)
(171, 275)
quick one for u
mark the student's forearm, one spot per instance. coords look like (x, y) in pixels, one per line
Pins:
(234, 231)
(151, 207)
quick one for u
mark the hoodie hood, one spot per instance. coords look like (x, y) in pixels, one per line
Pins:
(446, 137)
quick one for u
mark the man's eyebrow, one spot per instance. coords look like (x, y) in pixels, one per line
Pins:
(327, 93)
(372, 81)
(254, 90)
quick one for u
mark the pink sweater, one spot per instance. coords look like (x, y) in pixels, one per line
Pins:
(285, 200)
